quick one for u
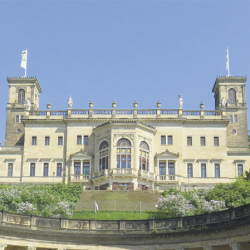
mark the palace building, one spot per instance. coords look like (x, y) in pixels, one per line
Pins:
(125, 149)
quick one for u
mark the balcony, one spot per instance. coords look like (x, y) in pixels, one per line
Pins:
(146, 175)
(80, 178)
(168, 178)
(124, 172)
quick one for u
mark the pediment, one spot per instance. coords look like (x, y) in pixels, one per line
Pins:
(167, 154)
(81, 153)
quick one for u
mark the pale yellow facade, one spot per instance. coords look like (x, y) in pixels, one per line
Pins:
(125, 149)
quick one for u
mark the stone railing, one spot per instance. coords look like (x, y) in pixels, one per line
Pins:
(197, 222)
(168, 178)
(80, 177)
(126, 113)
(10, 149)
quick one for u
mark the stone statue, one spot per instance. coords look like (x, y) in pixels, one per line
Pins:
(28, 105)
(70, 102)
(180, 101)
(223, 103)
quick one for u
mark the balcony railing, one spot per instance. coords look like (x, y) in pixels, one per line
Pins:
(168, 178)
(80, 177)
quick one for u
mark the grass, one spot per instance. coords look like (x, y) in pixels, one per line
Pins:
(110, 215)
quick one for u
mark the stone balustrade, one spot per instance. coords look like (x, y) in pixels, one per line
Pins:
(197, 222)
(126, 113)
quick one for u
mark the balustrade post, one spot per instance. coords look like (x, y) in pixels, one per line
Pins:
(113, 111)
(223, 114)
(135, 109)
(232, 213)
(47, 114)
(121, 225)
(4, 216)
(32, 222)
(92, 224)
(180, 113)
(208, 221)
(151, 224)
(179, 222)
(69, 113)
(158, 104)
(91, 105)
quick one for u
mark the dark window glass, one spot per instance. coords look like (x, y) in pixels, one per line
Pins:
(60, 140)
(59, 169)
(217, 170)
(163, 140)
(231, 96)
(203, 141)
(10, 169)
(216, 141)
(21, 117)
(32, 169)
(45, 169)
(240, 169)
(162, 167)
(231, 118)
(123, 142)
(34, 140)
(47, 140)
(103, 145)
(123, 161)
(86, 168)
(190, 170)
(86, 140)
(21, 96)
(203, 170)
(79, 139)
(17, 118)
(189, 141)
(236, 119)
(118, 161)
(170, 140)
(77, 166)
(170, 168)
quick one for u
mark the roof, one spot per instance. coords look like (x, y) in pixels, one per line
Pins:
(167, 153)
(25, 79)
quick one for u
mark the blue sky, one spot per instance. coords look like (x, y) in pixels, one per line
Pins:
(123, 51)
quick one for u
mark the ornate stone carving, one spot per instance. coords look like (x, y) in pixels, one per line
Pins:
(70, 103)
(2, 246)
(180, 101)
(236, 245)
(28, 105)
(208, 248)
(223, 103)
(118, 136)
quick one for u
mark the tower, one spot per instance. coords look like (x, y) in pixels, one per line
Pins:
(21, 91)
(232, 90)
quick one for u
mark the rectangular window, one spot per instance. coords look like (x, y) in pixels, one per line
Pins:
(170, 140)
(236, 119)
(47, 140)
(163, 140)
(189, 141)
(34, 140)
(86, 140)
(10, 169)
(216, 141)
(32, 169)
(17, 118)
(203, 141)
(79, 139)
(21, 117)
(86, 168)
(170, 168)
(59, 169)
(203, 170)
(231, 118)
(162, 167)
(217, 170)
(190, 170)
(46, 169)
(240, 169)
(60, 140)
(77, 166)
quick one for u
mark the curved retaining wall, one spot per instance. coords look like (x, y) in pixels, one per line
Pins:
(208, 220)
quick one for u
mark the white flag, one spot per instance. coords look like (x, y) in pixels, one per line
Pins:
(24, 59)
(227, 63)
(96, 206)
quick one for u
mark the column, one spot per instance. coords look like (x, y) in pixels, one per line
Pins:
(72, 168)
(166, 162)
(157, 168)
(90, 165)
(236, 245)
(81, 167)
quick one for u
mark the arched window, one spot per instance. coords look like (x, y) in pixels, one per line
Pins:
(144, 156)
(231, 96)
(21, 96)
(103, 160)
(123, 153)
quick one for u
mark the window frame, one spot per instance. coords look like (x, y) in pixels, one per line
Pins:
(17, 120)
(47, 140)
(34, 140)
(190, 163)
(218, 141)
(217, 163)
(161, 167)
(191, 139)
(32, 168)
(21, 96)
(172, 141)
(236, 120)
(86, 140)
(83, 167)
(145, 156)
(127, 154)
(61, 169)
(60, 138)
(203, 163)
(163, 139)
(79, 139)
(204, 141)
(103, 155)
(46, 163)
